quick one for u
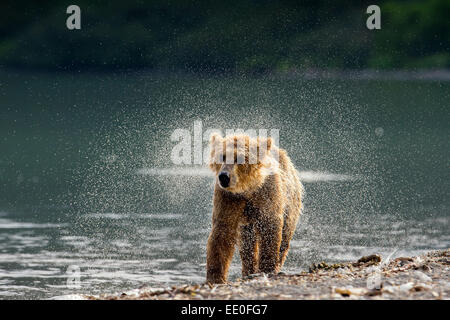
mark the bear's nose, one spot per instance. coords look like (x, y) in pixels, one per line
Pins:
(224, 179)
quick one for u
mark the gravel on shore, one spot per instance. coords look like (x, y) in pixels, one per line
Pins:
(422, 277)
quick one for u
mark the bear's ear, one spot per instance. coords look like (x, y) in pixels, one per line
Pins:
(265, 143)
(215, 137)
(269, 143)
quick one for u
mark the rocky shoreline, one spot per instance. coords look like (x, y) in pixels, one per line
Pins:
(422, 277)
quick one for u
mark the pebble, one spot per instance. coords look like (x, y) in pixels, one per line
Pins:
(406, 286)
(422, 276)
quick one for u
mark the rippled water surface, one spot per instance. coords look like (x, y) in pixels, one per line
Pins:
(87, 182)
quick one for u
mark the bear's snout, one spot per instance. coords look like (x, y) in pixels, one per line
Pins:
(224, 179)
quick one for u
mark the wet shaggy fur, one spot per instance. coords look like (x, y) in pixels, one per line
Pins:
(258, 211)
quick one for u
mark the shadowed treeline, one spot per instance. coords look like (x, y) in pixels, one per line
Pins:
(225, 36)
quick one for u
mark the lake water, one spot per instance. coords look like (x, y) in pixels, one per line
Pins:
(88, 188)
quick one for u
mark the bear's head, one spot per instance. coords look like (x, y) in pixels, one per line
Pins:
(241, 163)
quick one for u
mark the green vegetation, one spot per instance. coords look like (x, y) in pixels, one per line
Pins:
(225, 36)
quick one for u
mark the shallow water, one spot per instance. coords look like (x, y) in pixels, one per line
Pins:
(87, 182)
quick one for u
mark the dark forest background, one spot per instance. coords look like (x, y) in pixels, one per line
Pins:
(248, 36)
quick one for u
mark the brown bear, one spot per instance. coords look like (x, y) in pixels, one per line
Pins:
(257, 203)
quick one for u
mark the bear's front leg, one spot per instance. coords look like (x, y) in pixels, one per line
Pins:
(219, 253)
(248, 248)
(270, 231)
(227, 212)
